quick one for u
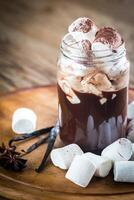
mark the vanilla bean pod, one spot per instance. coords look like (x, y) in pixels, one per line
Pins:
(11, 159)
(51, 140)
(29, 135)
(35, 145)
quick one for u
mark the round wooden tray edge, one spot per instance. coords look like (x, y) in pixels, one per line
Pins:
(35, 187)
(31, 193)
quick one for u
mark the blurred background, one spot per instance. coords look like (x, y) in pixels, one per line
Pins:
(31, 30)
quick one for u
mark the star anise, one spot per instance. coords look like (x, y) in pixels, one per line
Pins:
(10, 159)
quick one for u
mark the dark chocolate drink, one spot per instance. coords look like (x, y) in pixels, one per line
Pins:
(90, 124)
(93, 82)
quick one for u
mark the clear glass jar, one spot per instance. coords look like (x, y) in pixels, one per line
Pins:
(93, 96)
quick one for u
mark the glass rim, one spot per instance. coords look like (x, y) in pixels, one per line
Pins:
(121, 46)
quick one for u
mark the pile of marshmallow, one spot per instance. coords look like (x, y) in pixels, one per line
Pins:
(103, 49)
(87, 36)
(81, 167)
(84, 36)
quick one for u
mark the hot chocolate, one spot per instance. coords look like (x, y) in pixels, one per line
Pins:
(92, 86)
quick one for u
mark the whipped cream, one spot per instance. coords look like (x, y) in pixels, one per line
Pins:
(96, 57)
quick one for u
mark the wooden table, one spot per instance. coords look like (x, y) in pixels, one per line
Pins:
(51, 183)
(30, 33)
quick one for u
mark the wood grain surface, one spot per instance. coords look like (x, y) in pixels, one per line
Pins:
(51, 183)
(31, 30)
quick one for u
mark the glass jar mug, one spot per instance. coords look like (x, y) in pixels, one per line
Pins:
(93, 96)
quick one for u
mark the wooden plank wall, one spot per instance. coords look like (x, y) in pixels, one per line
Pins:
(31, 30)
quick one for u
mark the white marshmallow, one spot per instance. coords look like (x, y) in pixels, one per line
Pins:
(69, 66)
(24, 121)
(133, 147)
(115, 71)
(91, 88)
(101, 50)
(130, 128)
(74, 81)
(74, 44)
(130, 135)
(118, 68)
(119, 150)
(132, 157)
(79, 36)
(62, 157)
(70, 95)
(99, 79)
(124, 171)
(130, 124)
(109, 63)
(131, 110)
(81, 171)
(87, 30)
(103, 165)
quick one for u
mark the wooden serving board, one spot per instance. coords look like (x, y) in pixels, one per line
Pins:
(51, 183)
